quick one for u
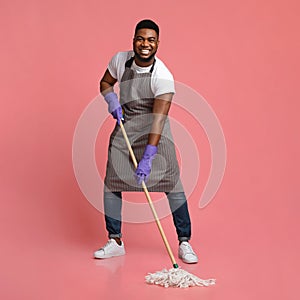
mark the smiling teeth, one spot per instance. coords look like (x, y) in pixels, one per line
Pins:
(145, 51)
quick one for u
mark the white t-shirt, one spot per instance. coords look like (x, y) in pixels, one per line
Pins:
(162, 80)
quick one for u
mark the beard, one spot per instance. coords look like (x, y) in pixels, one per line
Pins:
(143, 59)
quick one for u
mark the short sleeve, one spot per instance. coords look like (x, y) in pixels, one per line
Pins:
(162, 81)
(163, 86)
(113, 66)
(116, 66)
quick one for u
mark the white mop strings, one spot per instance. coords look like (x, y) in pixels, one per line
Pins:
(177, 277)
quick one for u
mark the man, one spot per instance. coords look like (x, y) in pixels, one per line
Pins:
(146, 90)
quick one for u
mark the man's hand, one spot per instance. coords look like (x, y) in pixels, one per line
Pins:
(144, 167)
(114, 106)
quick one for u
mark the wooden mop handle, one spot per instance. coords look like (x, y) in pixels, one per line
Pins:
(175, 265)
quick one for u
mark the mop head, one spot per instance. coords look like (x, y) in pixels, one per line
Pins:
(177, 277)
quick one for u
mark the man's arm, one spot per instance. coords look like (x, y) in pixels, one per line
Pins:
(160, 111)
(107, 90)
(106, 83)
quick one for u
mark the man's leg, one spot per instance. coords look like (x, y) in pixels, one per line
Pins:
(182, 222)
(112, 209)
(181, 217)
(113, 218)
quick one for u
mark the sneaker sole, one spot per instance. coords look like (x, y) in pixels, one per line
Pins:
(188, 261)
(106, 256)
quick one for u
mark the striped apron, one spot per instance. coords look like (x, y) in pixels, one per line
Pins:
(136, 99)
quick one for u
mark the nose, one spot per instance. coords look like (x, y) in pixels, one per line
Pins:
(145, 43)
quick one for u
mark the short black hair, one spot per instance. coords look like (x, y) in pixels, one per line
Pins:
(149, 24)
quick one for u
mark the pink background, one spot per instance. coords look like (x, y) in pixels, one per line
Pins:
(242, 56)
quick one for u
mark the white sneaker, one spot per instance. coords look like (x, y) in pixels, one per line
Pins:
(110, 249)
(187, 254)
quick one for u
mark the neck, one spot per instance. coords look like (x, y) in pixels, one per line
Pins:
(141, 63)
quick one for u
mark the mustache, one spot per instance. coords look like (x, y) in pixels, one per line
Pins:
(143, 59)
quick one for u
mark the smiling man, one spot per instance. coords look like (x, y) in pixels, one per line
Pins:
(146, 91)
(145, 45)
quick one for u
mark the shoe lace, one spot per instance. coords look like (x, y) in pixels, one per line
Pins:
(188, 248)
(108, 245)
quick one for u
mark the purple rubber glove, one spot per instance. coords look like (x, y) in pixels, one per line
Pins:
(114, 106)
(143, 169)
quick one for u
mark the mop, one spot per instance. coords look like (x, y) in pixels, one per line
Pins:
(174, 277)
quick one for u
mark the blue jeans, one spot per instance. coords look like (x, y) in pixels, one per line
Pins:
(178, 206)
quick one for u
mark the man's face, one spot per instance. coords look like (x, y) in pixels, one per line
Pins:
(145, 44)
